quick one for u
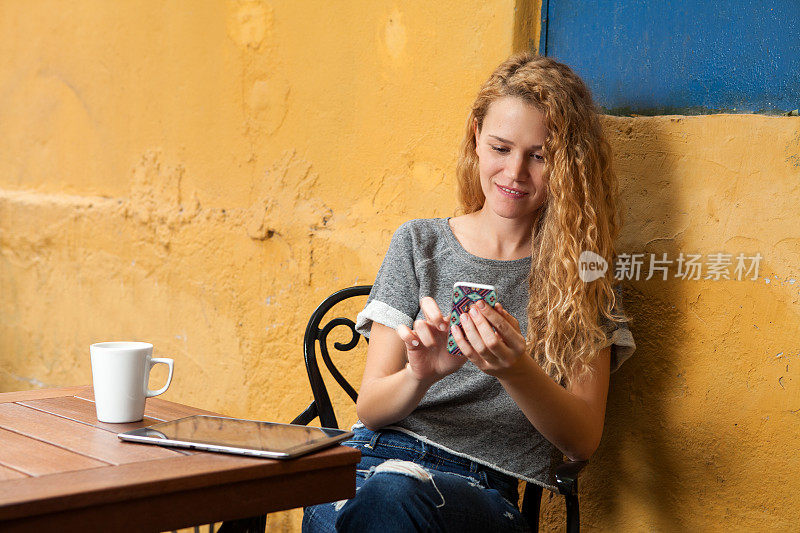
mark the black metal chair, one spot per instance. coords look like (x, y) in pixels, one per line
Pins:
(566, 473)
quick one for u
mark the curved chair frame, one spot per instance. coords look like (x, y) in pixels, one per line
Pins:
(566, 473)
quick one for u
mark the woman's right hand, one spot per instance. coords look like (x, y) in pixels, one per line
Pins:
(426, 345)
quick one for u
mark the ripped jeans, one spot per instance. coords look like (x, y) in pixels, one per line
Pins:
(404, 484)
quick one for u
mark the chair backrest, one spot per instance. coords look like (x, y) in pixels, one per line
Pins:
(315, 335)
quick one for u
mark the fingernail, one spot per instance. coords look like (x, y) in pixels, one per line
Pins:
(464, 317)
(474, 311)
(481, 304)
(415, 343)
(442, 327)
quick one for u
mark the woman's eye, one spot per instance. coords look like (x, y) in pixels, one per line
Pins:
(503, 150)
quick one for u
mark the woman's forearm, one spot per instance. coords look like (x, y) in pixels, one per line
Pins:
(560, 416)
(385, 400)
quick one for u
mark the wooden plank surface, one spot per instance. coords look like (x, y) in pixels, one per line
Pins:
(96, 486)
(75, 436)
(82, 411)
(191, 507)
(7, 473)
(68, 454)
(157, 407)
(6, 397)
(37, 458)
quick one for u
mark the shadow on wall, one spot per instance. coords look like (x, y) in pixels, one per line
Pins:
(635, 448)
(688, 417)
(635, 445)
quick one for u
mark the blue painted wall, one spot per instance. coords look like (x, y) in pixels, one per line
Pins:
(690, 57)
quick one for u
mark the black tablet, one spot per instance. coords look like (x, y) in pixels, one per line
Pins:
(234, 435)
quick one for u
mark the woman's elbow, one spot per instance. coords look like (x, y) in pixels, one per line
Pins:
(367, 422)
(364, 418)
(584, 452)
(580, 456)
(370, 426)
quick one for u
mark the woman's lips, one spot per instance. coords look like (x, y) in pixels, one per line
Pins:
(508, 194)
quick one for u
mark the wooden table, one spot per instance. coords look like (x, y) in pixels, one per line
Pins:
(62, 470)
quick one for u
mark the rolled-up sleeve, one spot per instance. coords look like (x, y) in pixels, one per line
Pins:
(618, 336)
(394, 298)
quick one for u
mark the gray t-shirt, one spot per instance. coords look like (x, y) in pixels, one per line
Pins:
(468, 413)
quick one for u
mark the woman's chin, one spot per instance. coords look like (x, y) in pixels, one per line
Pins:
(513, 214)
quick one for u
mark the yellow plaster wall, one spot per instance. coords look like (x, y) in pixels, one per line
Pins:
(201, 174)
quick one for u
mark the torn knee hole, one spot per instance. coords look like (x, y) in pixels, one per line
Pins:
(405, 468)
(337, 506)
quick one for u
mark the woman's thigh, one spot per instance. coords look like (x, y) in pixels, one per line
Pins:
(398, 495)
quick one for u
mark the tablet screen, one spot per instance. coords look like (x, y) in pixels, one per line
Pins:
(237, 433)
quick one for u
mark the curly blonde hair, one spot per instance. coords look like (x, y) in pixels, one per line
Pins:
(580, 212)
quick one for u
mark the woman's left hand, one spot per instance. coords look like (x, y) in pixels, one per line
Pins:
(491, 339)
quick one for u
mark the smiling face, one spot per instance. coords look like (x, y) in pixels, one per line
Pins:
(509, 149)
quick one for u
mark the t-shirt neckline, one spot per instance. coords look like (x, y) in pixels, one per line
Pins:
(523, 262)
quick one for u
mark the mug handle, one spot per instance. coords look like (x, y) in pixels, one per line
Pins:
(154, 361)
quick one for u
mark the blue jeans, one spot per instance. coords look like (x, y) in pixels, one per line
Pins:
(404, 484)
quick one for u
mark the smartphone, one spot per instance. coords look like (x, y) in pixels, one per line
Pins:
(465, 294)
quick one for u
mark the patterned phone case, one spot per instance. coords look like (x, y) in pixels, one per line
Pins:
(464, 296)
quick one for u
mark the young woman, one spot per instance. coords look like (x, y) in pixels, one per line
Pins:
(445, 438)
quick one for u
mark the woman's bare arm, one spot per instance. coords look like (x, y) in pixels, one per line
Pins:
(572, 418)
(389, 392)
(401, 366)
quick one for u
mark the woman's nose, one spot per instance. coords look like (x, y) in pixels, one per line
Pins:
(515, 167)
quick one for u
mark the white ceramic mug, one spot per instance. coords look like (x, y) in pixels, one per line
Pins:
(120, 372)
